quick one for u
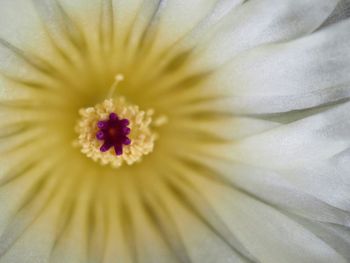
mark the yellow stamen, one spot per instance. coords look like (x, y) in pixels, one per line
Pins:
(118, 78)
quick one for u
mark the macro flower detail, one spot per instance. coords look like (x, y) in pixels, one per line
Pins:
(174, 131)
(109, 122)
(114, 132)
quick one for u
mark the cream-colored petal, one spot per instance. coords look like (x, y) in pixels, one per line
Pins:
(334, 235)
(341, 12)
(38, 213)
(328, 180)
(267, 233)
(19, 46)
(18, 21)
(278, 188)
(183, 21)
(205, 244)
(313, 139)
(304, 73)
(74, 240)
(224, 128)
(257, 23)
(146, 237)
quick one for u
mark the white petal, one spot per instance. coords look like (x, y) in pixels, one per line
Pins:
(204, 245)
(338, 237)
(66, 34)
(13, 195)
(18, 21)
(264, 21)
(309, 64)
(309, 140)
(328, 180)
(341, 12)
(185, 20)
(300, 74)
(278, 189)
(31, 233)
(268, 234)
(30, 246)
(26, 50)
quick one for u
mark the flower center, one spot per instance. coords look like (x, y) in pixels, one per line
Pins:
(115, 131)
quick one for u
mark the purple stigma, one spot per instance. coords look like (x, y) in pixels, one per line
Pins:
(118, 149)
(126, 130)
(126, 141)
(125, 122)
(102, 124)
(105, 147)
(113, 116)
(100, 135)
(114, 133)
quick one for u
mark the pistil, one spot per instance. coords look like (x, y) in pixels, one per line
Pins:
(114, 133)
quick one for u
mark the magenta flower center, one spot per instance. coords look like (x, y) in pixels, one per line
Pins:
(114, 133)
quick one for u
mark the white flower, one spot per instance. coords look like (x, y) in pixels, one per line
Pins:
(238, 148)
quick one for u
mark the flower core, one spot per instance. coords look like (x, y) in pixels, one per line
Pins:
(115, 131)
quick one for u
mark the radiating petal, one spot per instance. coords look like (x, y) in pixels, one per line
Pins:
(263, 229)
(263, 21)
(278, 188)
(341, 12)
(149, 243)
(223, 128)
(39, 207)
(300, 74)
(299, 143)
(204, 245)
(189, 19)
(74, 228)
(338, 237)
(328, 180)
(66, 35)
(18, 21)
